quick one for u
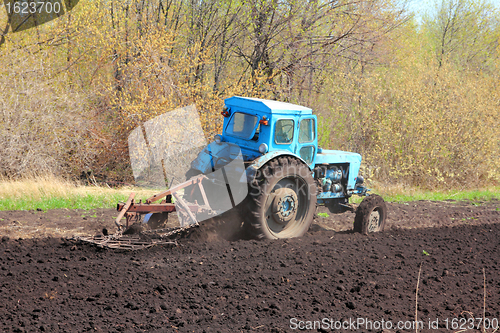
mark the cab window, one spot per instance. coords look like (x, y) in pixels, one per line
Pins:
(283, 132)
(306, 131)
(241, 125)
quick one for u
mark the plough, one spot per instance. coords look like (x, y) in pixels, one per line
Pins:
(129, 238)
(188, 212)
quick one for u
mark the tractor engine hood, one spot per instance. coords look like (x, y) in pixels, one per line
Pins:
(339, 156)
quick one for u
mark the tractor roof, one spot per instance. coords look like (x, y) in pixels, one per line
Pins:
(266, 106)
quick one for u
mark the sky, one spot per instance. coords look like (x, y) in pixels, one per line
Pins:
(420, 7)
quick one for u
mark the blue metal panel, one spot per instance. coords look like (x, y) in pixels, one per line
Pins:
(208, 159)
(250, 148)
(259, 162)
(329, 195)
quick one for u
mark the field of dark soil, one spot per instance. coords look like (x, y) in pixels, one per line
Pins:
(329, 280)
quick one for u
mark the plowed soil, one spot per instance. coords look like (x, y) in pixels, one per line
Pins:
(439, 260)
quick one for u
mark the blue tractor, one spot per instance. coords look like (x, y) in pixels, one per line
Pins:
(287, 174)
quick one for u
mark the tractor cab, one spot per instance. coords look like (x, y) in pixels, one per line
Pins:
(260, 126)
(257, 131)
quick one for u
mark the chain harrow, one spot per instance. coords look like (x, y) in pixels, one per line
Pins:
(133, 211)
(143, 240)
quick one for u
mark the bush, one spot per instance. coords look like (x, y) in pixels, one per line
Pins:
(44, 128)
(420, 125)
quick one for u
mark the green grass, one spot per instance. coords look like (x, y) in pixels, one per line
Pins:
(109, 200)
(470, 195)
(71, 202)
(398, 194)
(55, 194)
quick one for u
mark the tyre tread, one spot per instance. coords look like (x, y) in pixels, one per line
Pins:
(260, 186)
(363, 211)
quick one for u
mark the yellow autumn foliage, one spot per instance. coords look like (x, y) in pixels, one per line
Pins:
(419, 124)
(72, 90)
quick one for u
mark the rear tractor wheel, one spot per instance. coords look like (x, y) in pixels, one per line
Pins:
(371, 215)
(281, 200)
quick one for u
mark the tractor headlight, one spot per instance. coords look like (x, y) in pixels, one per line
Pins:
(360, 180)
(218, 138)
(263, 148)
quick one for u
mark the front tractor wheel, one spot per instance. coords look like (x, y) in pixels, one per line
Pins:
(371, 215)
(282, 200)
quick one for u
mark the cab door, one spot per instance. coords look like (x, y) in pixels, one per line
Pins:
(307, 139)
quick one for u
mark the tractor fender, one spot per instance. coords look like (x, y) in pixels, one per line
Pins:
(207, 159)
(203, 163)
(259, 162)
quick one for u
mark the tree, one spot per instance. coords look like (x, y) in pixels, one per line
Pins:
(298, 41)
(465, 32)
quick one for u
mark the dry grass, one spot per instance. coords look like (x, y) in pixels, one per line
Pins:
(51, 192)
(51, 186)
(416, 298)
